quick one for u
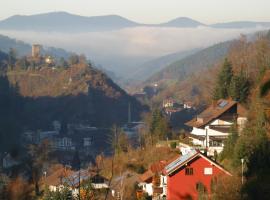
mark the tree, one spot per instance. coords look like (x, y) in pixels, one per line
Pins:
(39, 158)
(19, 189)
(226, 188)
(12, 55)
(119, 140)
(239, 87)
(82, 59)
(230, 143)
(62, 62)
(159, 127)
(63, 194)
(22, 63)
(73, 59)
(221, 90)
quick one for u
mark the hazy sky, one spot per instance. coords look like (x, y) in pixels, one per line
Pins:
(147, 11)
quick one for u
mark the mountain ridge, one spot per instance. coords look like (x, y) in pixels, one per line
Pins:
(64, 21)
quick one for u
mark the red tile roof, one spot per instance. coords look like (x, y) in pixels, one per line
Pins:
(156, 167)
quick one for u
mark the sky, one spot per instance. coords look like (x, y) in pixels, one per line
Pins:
(146, 11)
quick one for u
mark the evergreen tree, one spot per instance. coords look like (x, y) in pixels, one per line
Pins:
(159, 126)
(228, 150)
(12, 55)
(239, 87)
(221, 90)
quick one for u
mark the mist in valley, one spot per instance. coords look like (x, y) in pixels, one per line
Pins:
(124, 51)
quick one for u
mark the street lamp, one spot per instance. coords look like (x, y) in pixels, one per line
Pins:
(242, 161)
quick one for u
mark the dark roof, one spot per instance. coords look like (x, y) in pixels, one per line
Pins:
(212, 112)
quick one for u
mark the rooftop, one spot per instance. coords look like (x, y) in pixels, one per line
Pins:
(182, 160)
(215, 111)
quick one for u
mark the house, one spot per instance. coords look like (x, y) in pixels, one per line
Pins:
(153, 182)
(67, 177)
(30, 137)
(55, 180)
(63, 143)
(8, 161)
(169, 110)
(191, 175)
(99, 182)
(188, 105)
(211, 128)
(168, 103)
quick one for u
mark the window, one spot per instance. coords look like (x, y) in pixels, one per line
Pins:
(208, 171)
(201, 189)
(189, 171)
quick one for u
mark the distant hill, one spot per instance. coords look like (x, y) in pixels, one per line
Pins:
(24, 49)
(190, 64)
(182, 22)
(187, 79)
(151, 67)
(63, 21)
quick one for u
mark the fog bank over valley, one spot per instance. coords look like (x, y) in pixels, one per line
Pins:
(122, 51)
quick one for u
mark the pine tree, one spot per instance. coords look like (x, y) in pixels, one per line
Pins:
(228, 150)
(159, 126)
(239, 87)
(224, 80)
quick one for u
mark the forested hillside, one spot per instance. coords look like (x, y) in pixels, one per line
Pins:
(152, 67)
(78, 93)
(183, 79)
(245, 77)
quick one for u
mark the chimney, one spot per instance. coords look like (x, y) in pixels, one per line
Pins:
(214, 103)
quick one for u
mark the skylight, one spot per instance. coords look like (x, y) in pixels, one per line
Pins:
(222, 104)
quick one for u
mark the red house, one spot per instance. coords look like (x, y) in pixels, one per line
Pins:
(190, 174)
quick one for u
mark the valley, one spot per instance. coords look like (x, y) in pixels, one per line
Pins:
(103, 107)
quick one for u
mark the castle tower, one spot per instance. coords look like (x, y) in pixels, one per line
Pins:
(36, 49)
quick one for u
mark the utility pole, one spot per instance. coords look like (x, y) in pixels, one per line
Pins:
(242, 162)
(206, 140)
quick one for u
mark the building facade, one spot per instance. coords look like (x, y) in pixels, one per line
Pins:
(191, 176)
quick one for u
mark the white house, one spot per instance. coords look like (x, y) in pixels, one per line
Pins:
(211, 127)
(153, 182)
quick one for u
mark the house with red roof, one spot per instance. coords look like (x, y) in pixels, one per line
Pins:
(153, 182)
(211, 127)
(191, 175)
